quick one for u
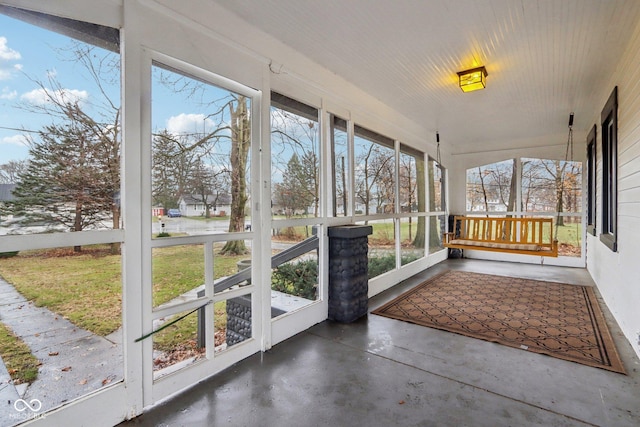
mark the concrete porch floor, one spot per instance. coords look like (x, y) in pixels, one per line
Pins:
(383, 372)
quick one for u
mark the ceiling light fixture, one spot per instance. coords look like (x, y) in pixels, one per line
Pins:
(473, 79)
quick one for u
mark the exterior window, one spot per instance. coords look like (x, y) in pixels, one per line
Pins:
(411, 185)
(295, 158)
(375, 172)
(436, 204)
(591, 181)
(60, 167)
(610, 172)
(489, 187)
(340, 162)
(375, 192)
(200, 152)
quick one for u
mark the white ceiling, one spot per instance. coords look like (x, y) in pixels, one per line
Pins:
(545, 59)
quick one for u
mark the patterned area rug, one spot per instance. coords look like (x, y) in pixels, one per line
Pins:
(563, 321)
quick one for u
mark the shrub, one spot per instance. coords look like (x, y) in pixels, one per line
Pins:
(8, 254)
(382, 264)
(164, 234)
(299, 279)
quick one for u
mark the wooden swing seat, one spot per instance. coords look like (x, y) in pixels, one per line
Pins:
(527, 236)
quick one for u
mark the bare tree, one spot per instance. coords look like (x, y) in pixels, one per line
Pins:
(10, 171)
(375, 170)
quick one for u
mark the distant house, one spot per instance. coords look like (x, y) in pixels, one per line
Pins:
(6, 192)
(193, 205)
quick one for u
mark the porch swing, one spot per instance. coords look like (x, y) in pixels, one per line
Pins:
(527, 236)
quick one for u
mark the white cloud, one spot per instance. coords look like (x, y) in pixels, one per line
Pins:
(42, 96)
(6, 53)
(15, 140)
(8, 93)
(7, 73)
(188, 124)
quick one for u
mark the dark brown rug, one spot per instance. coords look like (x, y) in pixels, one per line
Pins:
(560, 320)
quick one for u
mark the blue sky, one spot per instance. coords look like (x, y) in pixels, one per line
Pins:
(30, 53)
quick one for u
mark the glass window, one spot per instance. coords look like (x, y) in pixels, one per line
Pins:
(491, 188)
(411, 180)
(340, 162)
(59, 126)
(200, 155)
(609, 128)
(436, 187)
(591, 181)
(295, 158)
(375, 172)
(411, 242)
(551, 185)
(382, 252)
(60, 173)
(436, 231)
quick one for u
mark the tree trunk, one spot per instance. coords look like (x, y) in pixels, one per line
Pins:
(241, 141)
(511, 204)
(115, 246)
(77, 223)
(484, 192)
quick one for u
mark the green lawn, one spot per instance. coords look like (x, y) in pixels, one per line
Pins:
(16, 355)
(86, 288)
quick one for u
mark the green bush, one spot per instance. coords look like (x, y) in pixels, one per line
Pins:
(164, 234)
(8, 254)
(299, 279)
(382, 264)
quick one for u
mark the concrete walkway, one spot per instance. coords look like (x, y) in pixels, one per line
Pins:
(74, 361)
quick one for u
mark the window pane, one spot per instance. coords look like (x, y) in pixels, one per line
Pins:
(59, 130)
(61, 311)
(295, 164)
(340, 166)
(232, 322)
(374, 174)
(436, 183)
(569, 236)
(294, 273)
(178, 273)
(436, 231)
(382, 251)
(200, 155)
(591, 181)
(546, 182)
(489, 187)
(66, 308)
(411, 175)
(178, 345)
(411, 239)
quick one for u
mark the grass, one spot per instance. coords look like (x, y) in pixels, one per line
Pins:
(82, 287)
(185, 331)
(16, 355)
(86, 288)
